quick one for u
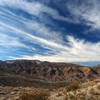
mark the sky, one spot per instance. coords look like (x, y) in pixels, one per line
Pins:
(50, 30)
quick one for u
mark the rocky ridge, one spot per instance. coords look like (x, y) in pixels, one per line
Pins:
(50, 71)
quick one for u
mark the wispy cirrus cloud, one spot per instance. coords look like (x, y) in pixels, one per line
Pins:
(74, 50)
(20, 31)
(86, 10)
(33, 8)
(77, 51)
(9, 41)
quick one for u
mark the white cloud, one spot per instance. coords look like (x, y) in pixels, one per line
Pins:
(32, 26)
(33, 38)
(44, 31)
(33, 8)
(39, 29)
(8, 41)
(77, 51)
(74, 50)
(88, 10)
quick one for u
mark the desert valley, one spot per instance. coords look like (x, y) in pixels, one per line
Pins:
(42, 80)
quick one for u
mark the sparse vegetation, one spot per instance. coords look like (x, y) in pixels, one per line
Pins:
(72, 87)
(80, 96)
(98, 87)
(36, 95)
(75, 91)
(91, 91)
(36, 80)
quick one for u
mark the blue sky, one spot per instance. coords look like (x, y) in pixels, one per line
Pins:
(50, 30)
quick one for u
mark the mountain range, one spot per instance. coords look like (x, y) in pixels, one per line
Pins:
(46, 71)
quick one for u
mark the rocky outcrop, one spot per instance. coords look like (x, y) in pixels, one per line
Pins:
(50, 71)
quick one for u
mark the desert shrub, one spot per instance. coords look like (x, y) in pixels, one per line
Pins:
(74, 96)
(70, 97)
(94, 91)
(80, 96)
(98, 87)
(38, 95)
(72, 87)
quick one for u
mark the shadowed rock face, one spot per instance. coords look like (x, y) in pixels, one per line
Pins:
(50, 71)
(97, 69)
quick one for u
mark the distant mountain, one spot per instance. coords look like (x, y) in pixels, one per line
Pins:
(50, 71)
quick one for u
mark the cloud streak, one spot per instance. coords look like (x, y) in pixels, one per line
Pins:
(78, 50)
(87, 10)
(34, 8)
(20, 32)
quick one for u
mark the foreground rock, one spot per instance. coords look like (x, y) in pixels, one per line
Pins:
(50, 71)
(86, 91)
